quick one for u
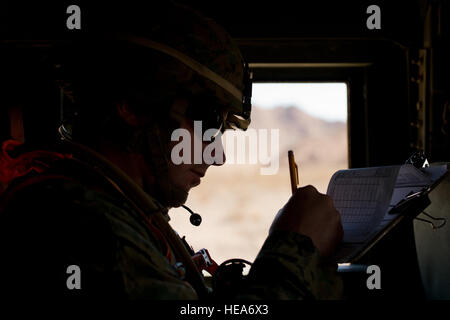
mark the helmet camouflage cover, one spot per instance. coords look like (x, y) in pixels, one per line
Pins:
(153, 58)
(206, 61)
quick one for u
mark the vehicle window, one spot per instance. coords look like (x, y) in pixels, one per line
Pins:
(239, 199)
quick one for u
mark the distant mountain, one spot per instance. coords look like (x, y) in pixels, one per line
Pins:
(312, 139)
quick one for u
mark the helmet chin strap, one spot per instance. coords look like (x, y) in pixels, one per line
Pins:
(156, 152)
(170, 195)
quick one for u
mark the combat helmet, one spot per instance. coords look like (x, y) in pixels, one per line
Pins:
(175, 51)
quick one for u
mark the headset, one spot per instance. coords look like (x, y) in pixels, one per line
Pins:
(195, 218)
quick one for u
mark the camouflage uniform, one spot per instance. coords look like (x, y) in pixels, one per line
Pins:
(70, 215)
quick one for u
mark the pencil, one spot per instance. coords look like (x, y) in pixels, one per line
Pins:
(293, 171)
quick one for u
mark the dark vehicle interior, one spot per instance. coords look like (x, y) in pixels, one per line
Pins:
(398, 93)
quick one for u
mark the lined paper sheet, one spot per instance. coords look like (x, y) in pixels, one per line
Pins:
(362, 197)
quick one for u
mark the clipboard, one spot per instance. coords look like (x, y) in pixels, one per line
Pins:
(406, 209)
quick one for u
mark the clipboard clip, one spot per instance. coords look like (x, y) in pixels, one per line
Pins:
(413, 204)
(433, 226)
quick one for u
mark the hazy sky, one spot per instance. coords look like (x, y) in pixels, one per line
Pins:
(327, 101)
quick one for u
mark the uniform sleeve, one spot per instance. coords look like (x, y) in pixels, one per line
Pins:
(136, 263)
(290, 267)
(59, 225)
(145, 272)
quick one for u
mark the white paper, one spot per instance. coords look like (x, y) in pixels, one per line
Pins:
(362, 197)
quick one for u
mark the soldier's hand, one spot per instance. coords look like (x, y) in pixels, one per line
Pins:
(312, 214)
